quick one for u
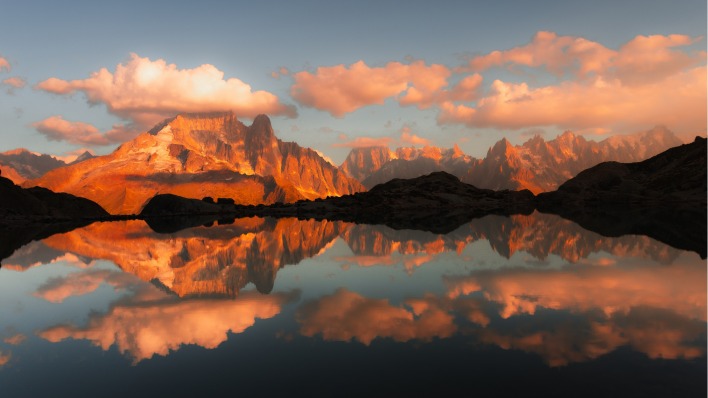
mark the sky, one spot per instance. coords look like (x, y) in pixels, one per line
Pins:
(333, 75)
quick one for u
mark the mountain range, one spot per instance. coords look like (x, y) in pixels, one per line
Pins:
(537, 165)
(214, 154)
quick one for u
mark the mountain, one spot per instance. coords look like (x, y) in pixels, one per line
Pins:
(536, 165)
(198, 155)
(377, 165)
(215, 261)
(20, 164)
(84, 156)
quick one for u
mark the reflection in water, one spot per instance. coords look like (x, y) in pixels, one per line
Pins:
(548, 288)
(216, 261)
(346, 315)
(680, 288)
(150, 322)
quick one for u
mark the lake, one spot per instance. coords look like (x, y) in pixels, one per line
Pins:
(522, 305)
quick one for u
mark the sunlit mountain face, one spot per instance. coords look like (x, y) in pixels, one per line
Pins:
(536, 298)
(198, 155)
(537, 165)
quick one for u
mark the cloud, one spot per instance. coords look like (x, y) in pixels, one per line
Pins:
(143, 329)
(145, 91)
(679, 288)
(340, 89)
(4, 358)
(363, 142)
(14, 83)
(408, 138)
(16, 339)
(557, 54)
(649, 80)
(346, 315)
(678, 101)
(4, 65)
(56, 128)
(56, 290)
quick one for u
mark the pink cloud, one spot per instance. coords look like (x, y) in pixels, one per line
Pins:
(678, 101)
(143, 329)
(558, 54)
(346, 315)
(16, 339)
(13, 83)
(58, 289)
(4, 65)
(146, 91)
(340, 89)
(363, 142)
(679, 288)
(649, 80)
(56, 128)
(5, 358)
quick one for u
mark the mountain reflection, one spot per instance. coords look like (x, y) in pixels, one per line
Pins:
(202, 261)
(539, 235)
(187, 286)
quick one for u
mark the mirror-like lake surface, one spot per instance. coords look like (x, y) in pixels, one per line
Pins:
(531, 305)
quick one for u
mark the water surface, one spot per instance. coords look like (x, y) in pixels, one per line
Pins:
(530, 305)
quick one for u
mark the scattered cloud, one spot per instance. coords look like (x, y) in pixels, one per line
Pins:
(585, 288)
(648, 80)
(58, 289)
(282, 71)
(145, 92)
(143, 329)
(363, 142)
(408, 138)
(13, 83)
(340, 89)
(4, 357)
(678, 101)
(4, 65)
(56, 128)
(16, 339)
(346, 315)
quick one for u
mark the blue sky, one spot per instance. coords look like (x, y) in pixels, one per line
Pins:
(250, 42)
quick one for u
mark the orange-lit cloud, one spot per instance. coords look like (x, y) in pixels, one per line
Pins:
(13, 83)
(144, 91)
(408, 138)
(58, 289)
(16, 339)
(363, 142)
(649, 80)
(340, 89)
(143, 329)
(678, 101)
(4, 65)
(346, 315)
(656, 333)
(680, 287)
(56, 128)
(5, 358)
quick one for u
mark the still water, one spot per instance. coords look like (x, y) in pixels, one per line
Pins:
(502, 306)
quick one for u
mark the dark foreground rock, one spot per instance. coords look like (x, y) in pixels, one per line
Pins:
(20, 205)
(438, 202)
(663, 197)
